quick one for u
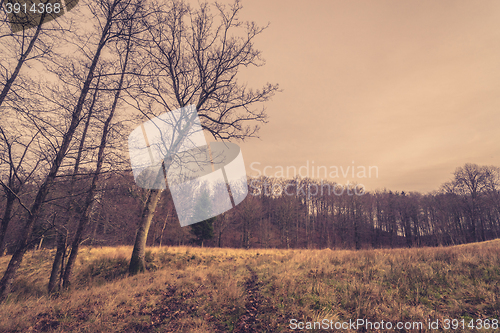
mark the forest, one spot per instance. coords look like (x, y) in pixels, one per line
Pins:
(463, 210)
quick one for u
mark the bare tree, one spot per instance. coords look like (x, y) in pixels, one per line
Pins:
(62, 231)
(471, 182)
(109, 11)
(194, 57)
(24, 40)
(16, 148)
(129, 20)
(23, 46)
(248, 212)
(220, 225)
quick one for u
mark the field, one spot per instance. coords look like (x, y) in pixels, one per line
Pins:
(191, 289)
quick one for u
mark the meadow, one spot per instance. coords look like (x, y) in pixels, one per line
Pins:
(190, 289)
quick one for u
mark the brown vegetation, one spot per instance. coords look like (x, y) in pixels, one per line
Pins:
(232, 290)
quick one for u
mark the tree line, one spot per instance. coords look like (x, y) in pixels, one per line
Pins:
(463, 210)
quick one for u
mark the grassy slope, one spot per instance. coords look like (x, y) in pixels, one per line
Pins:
(221, 290)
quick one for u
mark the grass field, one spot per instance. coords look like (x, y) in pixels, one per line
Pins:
(231, 290)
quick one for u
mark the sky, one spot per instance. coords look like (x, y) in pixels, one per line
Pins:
(409, 90)
(408, 87)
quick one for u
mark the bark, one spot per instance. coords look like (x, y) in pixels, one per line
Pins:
(5, 221)
(58, 259)
(163, 228)
(137, 262)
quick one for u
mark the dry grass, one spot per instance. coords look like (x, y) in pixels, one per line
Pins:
(204, 290)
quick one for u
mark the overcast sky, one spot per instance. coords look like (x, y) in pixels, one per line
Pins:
(411, 87)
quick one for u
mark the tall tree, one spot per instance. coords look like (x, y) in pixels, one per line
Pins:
(194, 57)
(471, 182)
(128, 22)
(24, 40)
(110, 11)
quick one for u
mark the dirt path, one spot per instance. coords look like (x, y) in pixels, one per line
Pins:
(256, 305)
(173, 309)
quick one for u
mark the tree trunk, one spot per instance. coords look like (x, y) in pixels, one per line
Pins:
(74, 248)
(57, 265)
(5, 221)
(40, 244)
(163, 228)
(86, 212)
(137, 263)
(58, 259)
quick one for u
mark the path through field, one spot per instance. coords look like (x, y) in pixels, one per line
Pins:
(250, 320)
(174, 310)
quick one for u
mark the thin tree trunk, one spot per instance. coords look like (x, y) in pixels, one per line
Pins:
(40, 244)
(137, 263)
(58, 259)
(5, 221)
(86, 212)
(163, 228)
(62, 238)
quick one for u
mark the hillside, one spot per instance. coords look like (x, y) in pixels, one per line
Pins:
(230, 290)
